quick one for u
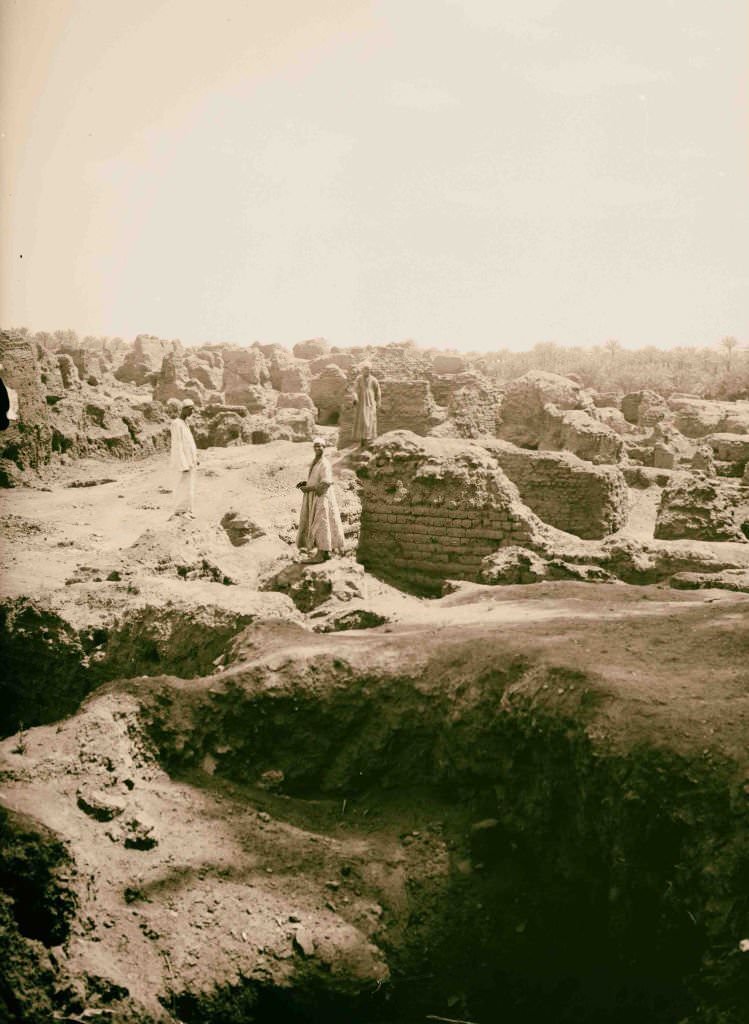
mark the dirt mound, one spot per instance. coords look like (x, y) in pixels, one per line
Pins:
(728, 579)
(184, 549)
(186, 906)
(311, 585)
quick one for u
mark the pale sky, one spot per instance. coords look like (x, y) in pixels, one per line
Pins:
(468, 173)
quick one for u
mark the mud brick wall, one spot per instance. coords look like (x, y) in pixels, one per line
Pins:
(565, 491)
(472, 403)
(406, 405)
(434, 508)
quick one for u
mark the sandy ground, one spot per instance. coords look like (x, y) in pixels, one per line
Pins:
(59, 541)
(66, 523)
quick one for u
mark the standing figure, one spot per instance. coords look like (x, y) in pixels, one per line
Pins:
(320, 525)
(4, 404)
(367, 398)
(184, 456)
(8, 404)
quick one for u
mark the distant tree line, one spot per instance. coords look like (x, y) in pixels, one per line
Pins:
(56, 340)
(718, 371)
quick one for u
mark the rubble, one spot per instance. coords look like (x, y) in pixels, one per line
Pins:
(311, 585)
(547, 411)
(700, 507)
(698, 417)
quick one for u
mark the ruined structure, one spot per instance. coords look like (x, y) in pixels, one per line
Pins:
(314, 348)
(546, 411)
(644, 408)
(471, 402)
(328, 390)
(697, 506)
(145, 359)
(697, 417)
(406, 405)
(567, 449)
(434, 509)
(732, 450)
(565, 491)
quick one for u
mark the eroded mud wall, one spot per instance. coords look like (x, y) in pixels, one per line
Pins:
(565, 491)
(432, 509)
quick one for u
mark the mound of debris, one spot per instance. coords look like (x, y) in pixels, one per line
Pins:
(705, 508)
(310, 585)
(547, 411)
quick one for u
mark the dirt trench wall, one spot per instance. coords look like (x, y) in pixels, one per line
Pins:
(616, 865)
(565, 491)
(433, 509)
(36, 909)
(521, 831)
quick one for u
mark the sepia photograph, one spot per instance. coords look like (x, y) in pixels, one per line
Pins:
(374, 512)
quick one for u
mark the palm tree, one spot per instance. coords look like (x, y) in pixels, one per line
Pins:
(613, 347)
(729, 344)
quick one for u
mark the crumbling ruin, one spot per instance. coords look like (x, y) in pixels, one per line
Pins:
(566, 448)
(693, 505)
(434, 509)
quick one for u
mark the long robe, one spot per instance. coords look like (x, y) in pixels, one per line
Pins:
(367, 394)
(184, 458)
(320, 523)
(184, 453)
(4, 405)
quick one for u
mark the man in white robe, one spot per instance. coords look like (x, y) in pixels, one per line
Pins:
(367, 398)
(184, 457)
(320, 526)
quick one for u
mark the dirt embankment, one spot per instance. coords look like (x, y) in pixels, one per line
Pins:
(377, 826)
